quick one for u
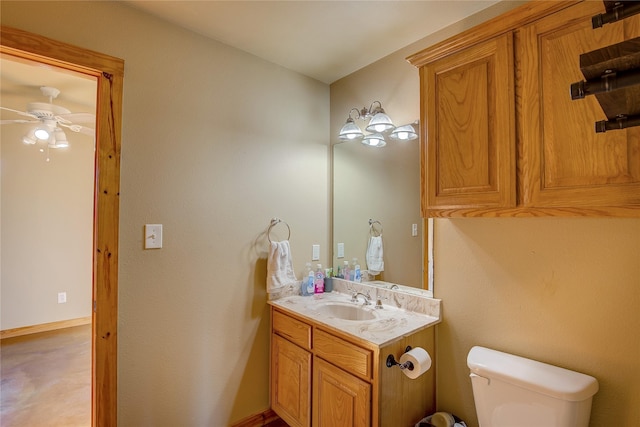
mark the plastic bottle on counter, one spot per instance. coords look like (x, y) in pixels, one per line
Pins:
(319, 280)
(311, 279)
(357, 274)
(352, 269)
(345, 270)
(305, 280)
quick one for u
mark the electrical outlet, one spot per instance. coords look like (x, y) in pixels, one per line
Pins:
(315, 252)
(414, 230)
(340, 250)
(62, 297)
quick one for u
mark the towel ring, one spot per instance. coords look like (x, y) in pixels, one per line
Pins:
(372, 228)
(274, 222)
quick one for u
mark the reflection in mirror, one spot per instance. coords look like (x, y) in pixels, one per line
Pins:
(379, 184)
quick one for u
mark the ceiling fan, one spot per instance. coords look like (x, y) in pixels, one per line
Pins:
(49, 119)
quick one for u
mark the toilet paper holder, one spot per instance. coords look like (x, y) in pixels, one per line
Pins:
(391, 361)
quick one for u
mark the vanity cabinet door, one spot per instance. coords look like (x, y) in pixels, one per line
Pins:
(290, 382)
(339, 398)
(565, 163)
(468, 155)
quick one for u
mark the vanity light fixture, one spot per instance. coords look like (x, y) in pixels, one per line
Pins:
(374, 140)
(378, 122)
(380, 127)
(404, 133)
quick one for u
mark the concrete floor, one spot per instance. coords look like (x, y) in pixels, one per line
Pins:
(46, 379)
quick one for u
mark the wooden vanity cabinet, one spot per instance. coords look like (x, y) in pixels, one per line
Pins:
(324, 378)
(339, 398)
(291, 370)
(501, 135)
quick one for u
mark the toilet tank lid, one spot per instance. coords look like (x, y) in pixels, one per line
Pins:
(547, 379)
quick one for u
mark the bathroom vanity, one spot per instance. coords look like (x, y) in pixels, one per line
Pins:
(329, 353)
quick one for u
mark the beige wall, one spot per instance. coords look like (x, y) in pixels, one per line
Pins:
(193, 337)
(563, 291)
(215, 143)
(47, 229)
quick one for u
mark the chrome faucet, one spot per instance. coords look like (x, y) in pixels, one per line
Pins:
(366, 297)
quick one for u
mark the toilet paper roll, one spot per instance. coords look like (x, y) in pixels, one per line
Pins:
(420, 359)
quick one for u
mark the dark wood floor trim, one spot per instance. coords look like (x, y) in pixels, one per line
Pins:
(44, 327)
(258, 420)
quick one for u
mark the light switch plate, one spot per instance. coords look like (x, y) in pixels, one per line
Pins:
(340, 250)
(315, 252)
(153, 236)
(414, 230)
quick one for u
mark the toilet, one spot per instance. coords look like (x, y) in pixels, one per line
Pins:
(511, 391)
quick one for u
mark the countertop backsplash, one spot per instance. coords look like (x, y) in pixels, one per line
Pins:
(399, 298)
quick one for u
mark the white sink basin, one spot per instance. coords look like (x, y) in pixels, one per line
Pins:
(346, 311)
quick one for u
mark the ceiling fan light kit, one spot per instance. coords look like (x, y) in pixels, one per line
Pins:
(48, 120)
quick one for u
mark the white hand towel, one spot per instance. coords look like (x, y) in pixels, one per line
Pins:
(279, 266)
(375, 260)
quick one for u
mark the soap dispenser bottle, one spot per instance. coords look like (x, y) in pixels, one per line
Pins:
(319, 280)
(305, 280)
(310, 282)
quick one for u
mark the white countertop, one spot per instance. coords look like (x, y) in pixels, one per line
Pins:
(391, 323)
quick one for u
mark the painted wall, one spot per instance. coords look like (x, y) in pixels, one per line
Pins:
(193, 337)
(215, 143)
(562, 291)
(47, 229)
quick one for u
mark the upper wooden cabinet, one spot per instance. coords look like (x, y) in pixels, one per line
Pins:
(501, 135)
(470, 157)
(566, 162)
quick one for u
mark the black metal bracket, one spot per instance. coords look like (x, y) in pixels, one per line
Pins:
(616, 10)
(620, 122)
(609, 81)
(391, 361)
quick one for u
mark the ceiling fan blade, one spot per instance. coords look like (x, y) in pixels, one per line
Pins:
(22, 113)
(77, 118)
(80, 129)
(7, 122)
(88, 131)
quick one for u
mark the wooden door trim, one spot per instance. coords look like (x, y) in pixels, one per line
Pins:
(109, 72)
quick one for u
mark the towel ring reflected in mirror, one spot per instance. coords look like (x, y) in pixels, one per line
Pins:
(372, 228)
(274, 222)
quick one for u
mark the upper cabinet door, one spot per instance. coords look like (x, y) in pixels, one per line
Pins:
(468, 157)
(563, 161)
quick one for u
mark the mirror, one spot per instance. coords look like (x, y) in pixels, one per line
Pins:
(383, 185)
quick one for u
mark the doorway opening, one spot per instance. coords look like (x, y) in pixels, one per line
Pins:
(108, 72)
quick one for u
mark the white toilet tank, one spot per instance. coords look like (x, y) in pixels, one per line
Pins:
(511, 391)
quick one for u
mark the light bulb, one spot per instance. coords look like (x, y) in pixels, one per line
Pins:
(41, 133)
